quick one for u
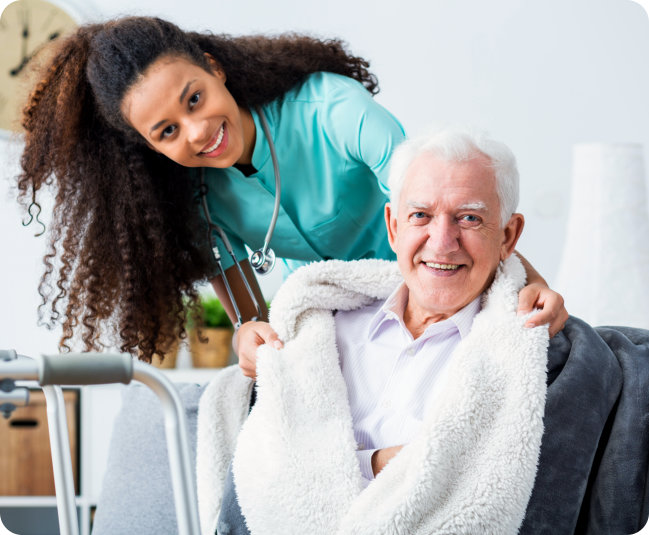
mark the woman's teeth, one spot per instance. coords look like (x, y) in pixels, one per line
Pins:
(219, 138)
(442, 266)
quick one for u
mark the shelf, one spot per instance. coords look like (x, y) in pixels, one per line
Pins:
(27, 501)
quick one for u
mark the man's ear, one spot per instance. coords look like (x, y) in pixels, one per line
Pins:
(217, 69)
(391, 224)
(511, 233)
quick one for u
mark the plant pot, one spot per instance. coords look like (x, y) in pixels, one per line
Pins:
(171, 355)
(215, 353)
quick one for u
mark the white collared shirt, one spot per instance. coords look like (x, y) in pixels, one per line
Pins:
(390, 376)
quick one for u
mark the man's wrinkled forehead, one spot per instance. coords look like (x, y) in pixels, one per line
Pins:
(428, 171)
(476, 206)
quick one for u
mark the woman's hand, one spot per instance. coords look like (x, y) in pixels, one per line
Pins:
(538, 296)
(548, 303)
(248, 338)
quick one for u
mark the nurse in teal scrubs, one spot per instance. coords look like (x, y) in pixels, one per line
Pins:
(333, 143)
(142, 107)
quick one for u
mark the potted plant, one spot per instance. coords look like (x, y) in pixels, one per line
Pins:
(170, 356)
(210, 334)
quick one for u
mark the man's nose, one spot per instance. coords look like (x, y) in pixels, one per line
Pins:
(444, 235)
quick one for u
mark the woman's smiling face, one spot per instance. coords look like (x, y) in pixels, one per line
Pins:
(187, 114)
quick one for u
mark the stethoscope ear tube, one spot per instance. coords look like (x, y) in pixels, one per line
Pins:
(262, 260)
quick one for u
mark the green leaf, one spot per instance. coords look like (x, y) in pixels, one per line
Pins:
(213, 314)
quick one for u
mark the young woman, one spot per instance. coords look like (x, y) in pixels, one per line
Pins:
(137, 124)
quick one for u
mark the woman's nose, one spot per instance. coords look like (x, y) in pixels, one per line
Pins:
(197, 131)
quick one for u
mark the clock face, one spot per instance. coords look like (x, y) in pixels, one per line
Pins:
(27, 29)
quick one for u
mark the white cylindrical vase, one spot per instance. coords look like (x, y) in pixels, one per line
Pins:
(604, 271)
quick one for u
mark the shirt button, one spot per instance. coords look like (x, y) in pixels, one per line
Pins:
(386, 404)
(410, 352)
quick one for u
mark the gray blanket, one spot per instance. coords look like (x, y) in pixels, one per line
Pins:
(592, 476)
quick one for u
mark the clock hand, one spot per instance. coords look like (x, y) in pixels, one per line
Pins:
(26, 59)
(25, 37)
(25, 32)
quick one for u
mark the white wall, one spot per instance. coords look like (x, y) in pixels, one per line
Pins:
(539, 75)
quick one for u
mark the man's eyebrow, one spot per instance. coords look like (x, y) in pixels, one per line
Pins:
(478, 205)
(418, 205)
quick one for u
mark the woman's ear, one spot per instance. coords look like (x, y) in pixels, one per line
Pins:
(217, 70)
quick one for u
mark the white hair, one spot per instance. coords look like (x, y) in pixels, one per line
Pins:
(453, 144)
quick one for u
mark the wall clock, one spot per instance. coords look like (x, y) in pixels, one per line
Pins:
(27, 29)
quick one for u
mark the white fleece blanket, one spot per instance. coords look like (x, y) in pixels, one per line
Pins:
(470, 469)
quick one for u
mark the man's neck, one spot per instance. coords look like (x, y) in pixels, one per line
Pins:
(417, 324)
(417, 319)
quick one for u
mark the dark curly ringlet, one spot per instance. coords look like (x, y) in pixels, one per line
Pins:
(126, 241)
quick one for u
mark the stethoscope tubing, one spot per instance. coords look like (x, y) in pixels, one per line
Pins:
(262, 260)
(214, 227)
(278, 184)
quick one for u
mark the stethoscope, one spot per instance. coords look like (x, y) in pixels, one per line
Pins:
(262, 260)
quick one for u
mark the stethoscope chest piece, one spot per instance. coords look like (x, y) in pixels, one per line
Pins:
(262, 261)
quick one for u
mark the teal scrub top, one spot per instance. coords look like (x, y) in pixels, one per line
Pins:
(333, 145)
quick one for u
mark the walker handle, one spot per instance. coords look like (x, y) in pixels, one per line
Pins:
(85, 369)
(7, 354)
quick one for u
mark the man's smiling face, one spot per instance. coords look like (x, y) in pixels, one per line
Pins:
(447, 234)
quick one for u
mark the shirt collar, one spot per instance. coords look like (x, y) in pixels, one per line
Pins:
(395, 305)
(391, 310)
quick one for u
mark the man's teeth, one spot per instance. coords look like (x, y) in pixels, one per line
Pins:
(219, 138)
(442, 266)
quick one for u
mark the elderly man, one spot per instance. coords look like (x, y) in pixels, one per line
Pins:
(412, 400)
(449, 231)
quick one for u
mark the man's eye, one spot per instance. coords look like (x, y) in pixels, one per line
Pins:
(168, 131)
(470, 218)
(418, 218)
(194, 99)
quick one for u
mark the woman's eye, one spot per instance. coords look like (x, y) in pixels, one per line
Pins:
(194, 99)
(168, 131)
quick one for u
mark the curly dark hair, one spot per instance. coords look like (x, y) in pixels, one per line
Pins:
(126, 241)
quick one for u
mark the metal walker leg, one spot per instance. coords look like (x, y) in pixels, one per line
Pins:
(52, 371)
